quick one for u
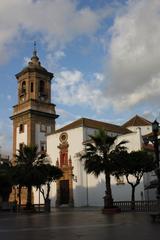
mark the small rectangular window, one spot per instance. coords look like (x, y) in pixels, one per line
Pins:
(48, 129)
(32, 87)
(43, 146)
(21, 128)
(21, 146)
(43, 128)
(120, 180)
(23, 88)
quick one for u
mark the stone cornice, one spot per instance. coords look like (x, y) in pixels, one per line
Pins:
(34, 112)
(35, 69)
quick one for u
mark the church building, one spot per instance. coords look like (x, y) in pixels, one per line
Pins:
(77, 188)
(34, 124)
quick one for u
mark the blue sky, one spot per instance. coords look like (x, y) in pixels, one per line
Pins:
(105, 56)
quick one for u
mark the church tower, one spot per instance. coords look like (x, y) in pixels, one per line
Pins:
(34, 115)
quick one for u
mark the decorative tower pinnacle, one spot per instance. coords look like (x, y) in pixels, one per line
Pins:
(34, 49)
(34, 58)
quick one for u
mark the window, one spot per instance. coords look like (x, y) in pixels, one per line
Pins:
(120, 180)
(48, 129)
(23, 87)
(42, 146)
(41, 86)
(32, 87)
(21, 128)
(42, 128)
(21, 146)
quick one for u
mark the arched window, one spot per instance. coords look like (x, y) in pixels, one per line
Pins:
(41, 86)
(32, 87)
(23, 87)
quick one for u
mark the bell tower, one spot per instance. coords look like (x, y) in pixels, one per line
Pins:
(34, 115)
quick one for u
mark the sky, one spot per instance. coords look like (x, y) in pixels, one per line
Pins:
(105, 56)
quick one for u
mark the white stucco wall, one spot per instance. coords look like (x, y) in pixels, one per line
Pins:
(96, 187)
(134, 140)
(38, 198)
(88, 190)
(144, 129)
(150, 194)
(122, 192)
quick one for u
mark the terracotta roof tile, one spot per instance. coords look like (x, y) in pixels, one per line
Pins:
(137, 121)
(90, 123)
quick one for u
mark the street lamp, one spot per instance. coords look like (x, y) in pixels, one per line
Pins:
(155, 130)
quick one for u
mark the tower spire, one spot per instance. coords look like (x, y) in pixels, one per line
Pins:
(35, 49)
(35, 58)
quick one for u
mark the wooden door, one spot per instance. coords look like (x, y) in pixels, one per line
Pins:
(64, 191)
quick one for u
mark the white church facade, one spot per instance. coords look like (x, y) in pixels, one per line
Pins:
(64, 148)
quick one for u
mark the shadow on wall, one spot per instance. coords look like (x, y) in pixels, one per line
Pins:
(93, 196)
(53, 201)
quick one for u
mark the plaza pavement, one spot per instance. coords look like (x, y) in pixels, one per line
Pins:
(80, 223)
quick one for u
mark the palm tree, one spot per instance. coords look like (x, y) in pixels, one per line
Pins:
(26, 161)
(98, 159)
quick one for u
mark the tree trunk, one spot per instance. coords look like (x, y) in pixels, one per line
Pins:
(19, 196)
(47, 205)
(133, 198)
(47, 200)
(42, 192)
(133, 186)
(48, 190)
(108, 200)
(29, 197)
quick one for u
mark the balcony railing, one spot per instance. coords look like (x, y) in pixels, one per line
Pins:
(140, 206)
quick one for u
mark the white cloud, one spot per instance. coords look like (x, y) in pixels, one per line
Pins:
(151, 116)
(65, 117)
(57, 21)
(59, 54)
(65, 114)
(68, 78)
(134, 63)
(99, 77)
(72, 88)
(53, 58)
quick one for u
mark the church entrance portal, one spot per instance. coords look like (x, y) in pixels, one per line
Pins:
(64, 192)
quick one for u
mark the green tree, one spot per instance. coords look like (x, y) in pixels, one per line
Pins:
(98, 158)
(134, 164)
(49, 173)
(18, 173)
(5, 181)
(27, 161)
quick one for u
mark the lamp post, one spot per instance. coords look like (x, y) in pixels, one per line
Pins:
(155, 130)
